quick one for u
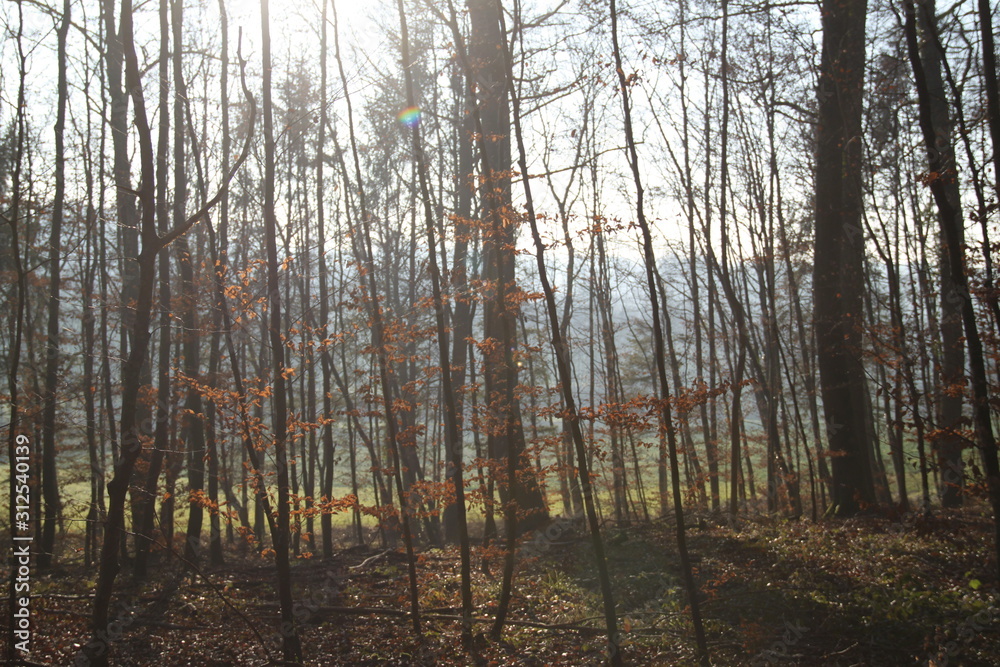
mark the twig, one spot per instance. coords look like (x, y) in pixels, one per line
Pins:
(370, 559)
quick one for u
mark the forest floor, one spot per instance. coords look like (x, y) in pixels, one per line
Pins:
(869, 591)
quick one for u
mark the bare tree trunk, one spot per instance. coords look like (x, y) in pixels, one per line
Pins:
(562, 352)
(711, 447)
(50, 483)
(452, 437)
(949, 444)
(88, 337)
(898, 346)
(193, 433)
(839, 257)
(290, 647)
(107, 404)
(500, 309)
(147, 501)
(98, 648)
(486, 76)
(216, 443)
(326, 485)
(989, 70)
(806, 356)
(459, 279)
(946, 218)
(613, 387)
(364, 254)
(658, 351)
(125, 196)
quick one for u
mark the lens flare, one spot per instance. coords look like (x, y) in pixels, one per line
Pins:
(409, 117)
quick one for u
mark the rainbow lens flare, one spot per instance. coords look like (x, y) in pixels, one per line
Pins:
(410, 117)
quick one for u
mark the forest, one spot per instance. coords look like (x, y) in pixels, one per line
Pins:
(500, 332)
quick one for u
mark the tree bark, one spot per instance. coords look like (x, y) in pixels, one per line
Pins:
(147, 501)
(98, 648)
(501, 295)
(949, 444)
(193, 431)
(946, 218)
(839, 254)
(452, 437)
(17, 444)
(50, 482)
(96, 651)
(290, 646)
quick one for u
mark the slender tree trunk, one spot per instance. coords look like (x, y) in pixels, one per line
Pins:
(806, 356)
(735, 423)
(486, 76)
(87, 335)
(989, 70)
(658, 351)
(125, 196)
(452, 438)
(193, 432)
(562, 352)
(949, 444)
(147, 506)
(364, 254)
(98, 648)
(50, 482)
(463, 299)
(217, 446)
(326, 485)
(107, 404)
(711, 447)
(290, 647)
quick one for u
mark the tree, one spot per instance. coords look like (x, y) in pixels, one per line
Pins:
(97, 649)
(838, 274)
(193, 431)
(452, 438)
(666, 417)
(562, 354)
(161, 435)
(947, 217)
(362, 248)
(505, 435)
(50, 483)
(950, 443)
(291, 648)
